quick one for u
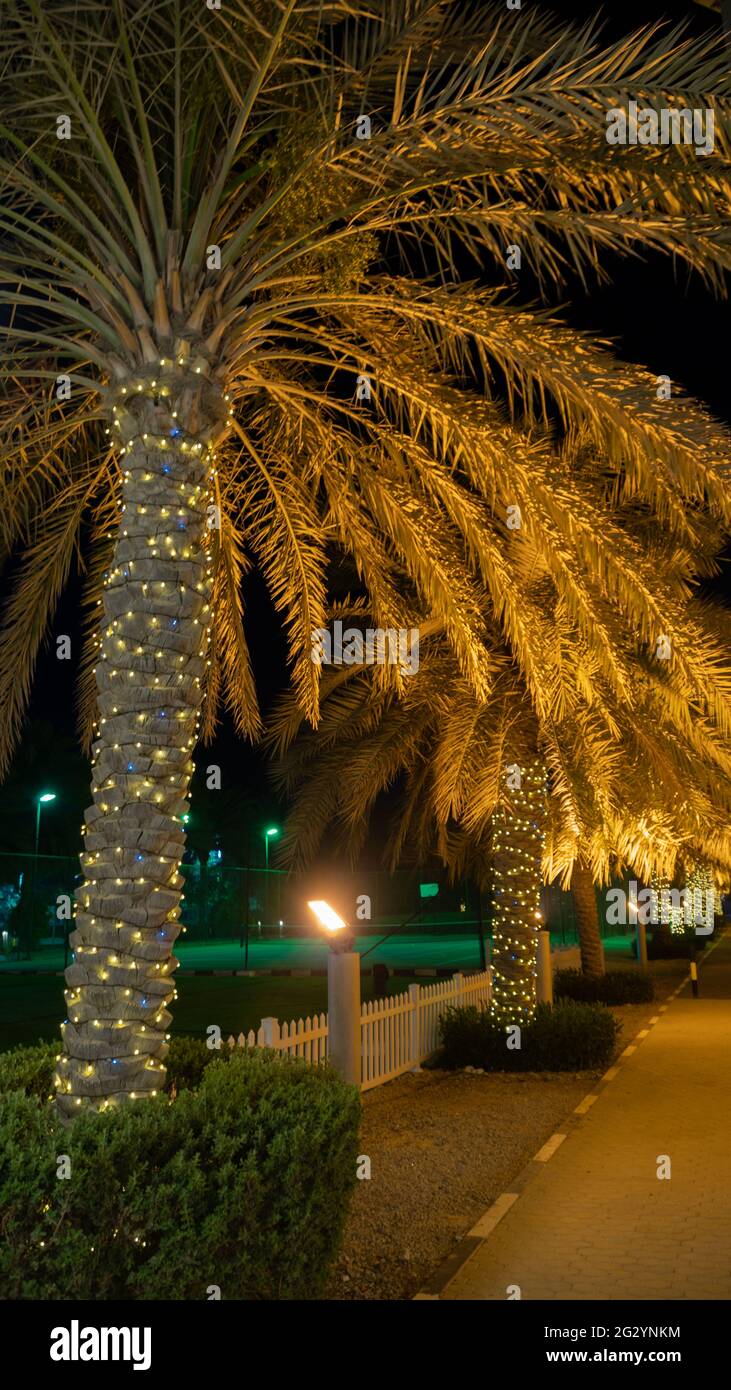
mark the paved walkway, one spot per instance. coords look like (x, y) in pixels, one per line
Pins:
(594, 1220)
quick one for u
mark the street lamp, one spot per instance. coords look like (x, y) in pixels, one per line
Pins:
(267, 834)
(40, 801)
(343, 992)
(273, 830)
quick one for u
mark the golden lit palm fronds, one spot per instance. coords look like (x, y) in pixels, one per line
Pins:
(627, 785)
(237, 130)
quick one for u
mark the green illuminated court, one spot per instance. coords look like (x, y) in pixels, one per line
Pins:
(32, 1003)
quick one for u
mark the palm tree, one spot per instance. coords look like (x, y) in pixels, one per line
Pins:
(513, 798)
(233, 318)
(587, 919)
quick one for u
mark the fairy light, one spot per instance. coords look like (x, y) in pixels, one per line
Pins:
(168, 477)
(518, 835)
(680, 911)
(701, 892)
(662, 909)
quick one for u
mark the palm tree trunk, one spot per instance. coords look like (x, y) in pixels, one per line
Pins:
(518, 831)
(587, 918)
(149, 676)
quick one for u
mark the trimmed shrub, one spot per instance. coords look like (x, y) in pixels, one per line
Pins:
(187, 1060)
(665, 944)
(243, 1183)
(30, 1069)
(615, 987)
(567, 1037)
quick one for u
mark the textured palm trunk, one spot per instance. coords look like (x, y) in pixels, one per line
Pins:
(151, 664)
(587, 919)
(519, 830)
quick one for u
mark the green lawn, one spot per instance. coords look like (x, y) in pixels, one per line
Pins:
(423, 950)
(32, 1006)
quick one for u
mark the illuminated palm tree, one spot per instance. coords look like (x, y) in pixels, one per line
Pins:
(232, 324)
(513, 799)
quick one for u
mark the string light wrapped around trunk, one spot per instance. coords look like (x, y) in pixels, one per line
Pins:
(518, 835)
(663, 911)
(150, 675)
(701, 894)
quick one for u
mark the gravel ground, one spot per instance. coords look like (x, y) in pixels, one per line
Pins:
(443, 1146)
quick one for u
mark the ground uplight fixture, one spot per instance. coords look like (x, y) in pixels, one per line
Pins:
(340, 937)
(343, 993)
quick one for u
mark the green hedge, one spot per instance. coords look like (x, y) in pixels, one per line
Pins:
(30, 1069)
(567, 1037)
(665, 944)
(615, 987)
(187, 1060)
(243, 1184)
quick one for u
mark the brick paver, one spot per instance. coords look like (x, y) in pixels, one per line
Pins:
(595, 1221)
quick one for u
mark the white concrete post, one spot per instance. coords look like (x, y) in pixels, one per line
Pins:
(414, 1057)
(544, 969)
(343, 1007)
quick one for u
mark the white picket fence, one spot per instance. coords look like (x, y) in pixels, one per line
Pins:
(397, 1033)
